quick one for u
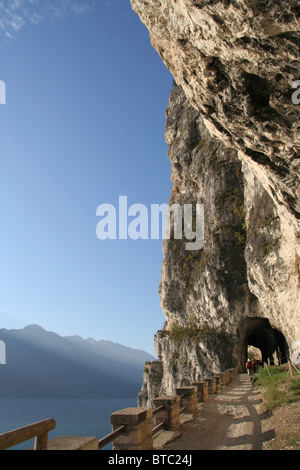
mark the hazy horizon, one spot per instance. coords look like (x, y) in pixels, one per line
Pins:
(66, 336)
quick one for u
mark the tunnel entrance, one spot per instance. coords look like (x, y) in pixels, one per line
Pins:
(259, 333)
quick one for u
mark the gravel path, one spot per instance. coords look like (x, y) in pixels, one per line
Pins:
(230, 420)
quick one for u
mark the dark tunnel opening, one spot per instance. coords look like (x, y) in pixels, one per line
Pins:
(259, 333)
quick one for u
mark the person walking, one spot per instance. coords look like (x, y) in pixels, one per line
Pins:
(249, 368)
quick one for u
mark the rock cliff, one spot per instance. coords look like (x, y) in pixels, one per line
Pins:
(233, 135)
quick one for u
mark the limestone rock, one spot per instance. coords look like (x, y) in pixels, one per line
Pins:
(236, 61)
(233, 135)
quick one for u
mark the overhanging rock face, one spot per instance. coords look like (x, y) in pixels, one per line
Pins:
(236, 61)
(233, 134)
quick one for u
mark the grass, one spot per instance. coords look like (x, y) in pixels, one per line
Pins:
(293, 441)
(192, 331)
(279, 387)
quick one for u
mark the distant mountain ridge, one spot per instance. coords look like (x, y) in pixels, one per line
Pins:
(42, 364)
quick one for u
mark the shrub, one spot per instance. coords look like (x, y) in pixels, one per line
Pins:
(192, 331)
(279, 387)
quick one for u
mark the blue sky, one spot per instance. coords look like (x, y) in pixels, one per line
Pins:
(82, 125)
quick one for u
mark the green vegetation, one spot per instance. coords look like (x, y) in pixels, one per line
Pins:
(157, 377)
(293, 441)
(196, 143)
(279, 387)
(150, 363)
(190, 264)
(235, 199)
(263, 215)
(192, 331)
(266, 248)
(240, 234)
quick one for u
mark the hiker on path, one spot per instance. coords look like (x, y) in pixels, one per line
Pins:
(249, 367)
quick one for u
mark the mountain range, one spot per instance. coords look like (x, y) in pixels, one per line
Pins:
(42, 364)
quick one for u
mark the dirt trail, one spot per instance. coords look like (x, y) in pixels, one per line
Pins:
(233, 419)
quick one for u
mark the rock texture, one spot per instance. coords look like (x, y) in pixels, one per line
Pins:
(236, 61)
(233, 134)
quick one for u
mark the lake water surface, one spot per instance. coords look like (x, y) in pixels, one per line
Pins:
(74, 417)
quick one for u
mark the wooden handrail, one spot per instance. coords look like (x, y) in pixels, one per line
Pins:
(160, 425)
(38, 430)
(156, 410)
(157, 428)
(110, 437)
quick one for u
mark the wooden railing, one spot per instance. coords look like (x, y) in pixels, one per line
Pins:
(118, 432)
(133, 418)
(38, 431)
(185, 396)
(110, 437)
(157, 428)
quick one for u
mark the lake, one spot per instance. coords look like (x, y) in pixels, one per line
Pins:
(74, 417)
